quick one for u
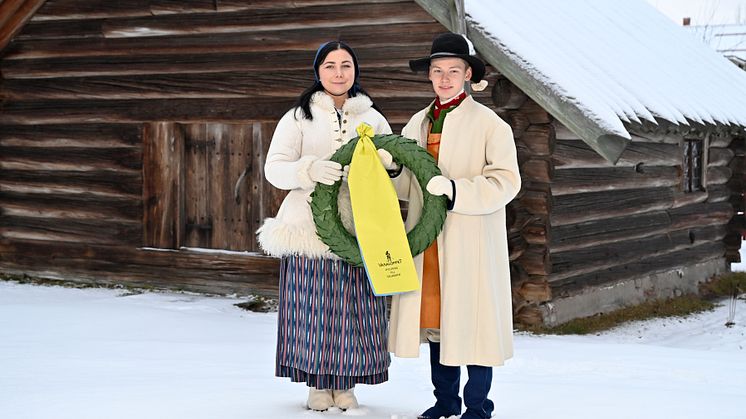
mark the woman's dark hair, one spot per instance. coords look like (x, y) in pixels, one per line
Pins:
(304, 101)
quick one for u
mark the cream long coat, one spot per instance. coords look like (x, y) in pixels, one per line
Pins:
(296, 144)
(476, 151)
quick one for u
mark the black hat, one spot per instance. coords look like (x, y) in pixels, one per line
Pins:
(451, 45)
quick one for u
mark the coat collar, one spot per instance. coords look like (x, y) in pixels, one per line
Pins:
(354, 105)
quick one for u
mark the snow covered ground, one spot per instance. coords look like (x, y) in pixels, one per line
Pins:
(101, 353)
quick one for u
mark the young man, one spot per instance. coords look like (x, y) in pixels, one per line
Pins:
(463, 309)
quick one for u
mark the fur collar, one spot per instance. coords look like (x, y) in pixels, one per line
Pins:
(354, 105)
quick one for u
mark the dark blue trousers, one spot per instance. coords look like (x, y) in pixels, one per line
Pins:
(446, 380)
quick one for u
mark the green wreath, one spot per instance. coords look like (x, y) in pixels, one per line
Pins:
(406, 152)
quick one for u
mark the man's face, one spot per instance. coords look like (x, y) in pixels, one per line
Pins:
(448, 76)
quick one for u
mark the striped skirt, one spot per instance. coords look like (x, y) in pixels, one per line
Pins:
(331, 329)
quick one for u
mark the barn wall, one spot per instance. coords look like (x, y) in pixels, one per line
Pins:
(588, 236)
(97, 97)
(612, 223)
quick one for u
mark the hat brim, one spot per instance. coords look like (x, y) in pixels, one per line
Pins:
(477, 66)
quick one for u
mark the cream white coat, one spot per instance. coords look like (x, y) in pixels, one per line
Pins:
(296, 143)
(476, 151)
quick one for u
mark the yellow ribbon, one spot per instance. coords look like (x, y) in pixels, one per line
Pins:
(364, 131)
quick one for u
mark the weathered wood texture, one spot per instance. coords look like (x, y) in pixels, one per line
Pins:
(71, 183)
(609, 223)
(13, 16)
(146, 123)
(183, 270)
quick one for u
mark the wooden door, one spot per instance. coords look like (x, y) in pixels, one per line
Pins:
(204, 185)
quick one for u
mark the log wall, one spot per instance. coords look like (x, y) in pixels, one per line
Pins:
(580, 221)
(612, 223)
(114, 118)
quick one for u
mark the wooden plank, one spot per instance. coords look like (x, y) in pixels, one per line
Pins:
(180, 110)
(666, 262)
(197, 185)
(396, 83)
(13, 16)
(582, 235)
(573, 154)
(76, 230)
(572, 181)
(394, 57)
(598, 258)
(8, 10)
(91, 9)
(718, 175)
(721, 193)
(67, 204)
(229, 22)
(660, 136)
(302, 40)
(701, 215)
(163, 147)
(230, 159)
(720, 156)
(100, 9)
(124, 158)
(72, 135)
(104, 181)
(583, 207)
(186, 270)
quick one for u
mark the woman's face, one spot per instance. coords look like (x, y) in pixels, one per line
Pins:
(337, 73)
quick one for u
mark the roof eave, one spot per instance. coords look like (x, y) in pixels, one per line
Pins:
(14, 14)
(607, 143)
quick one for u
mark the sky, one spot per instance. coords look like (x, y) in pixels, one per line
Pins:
(703, 12)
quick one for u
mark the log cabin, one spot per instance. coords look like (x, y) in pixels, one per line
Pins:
(133, 135)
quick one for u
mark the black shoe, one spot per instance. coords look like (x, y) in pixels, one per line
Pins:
(436, 412)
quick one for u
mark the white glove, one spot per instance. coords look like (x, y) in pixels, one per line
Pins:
(387, 160)
(345, 173)
(325, 171)
(440, 185)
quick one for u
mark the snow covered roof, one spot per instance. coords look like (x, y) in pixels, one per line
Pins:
(598, 64)
(729, 40)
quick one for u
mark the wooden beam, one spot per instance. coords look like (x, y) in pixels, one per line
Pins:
(13, 16)
(226, 273)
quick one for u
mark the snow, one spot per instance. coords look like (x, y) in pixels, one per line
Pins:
(107, 353)
(617, 61)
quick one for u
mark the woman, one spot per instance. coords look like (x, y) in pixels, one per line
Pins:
(332, 330)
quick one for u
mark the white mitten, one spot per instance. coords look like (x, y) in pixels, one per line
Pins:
(345, 172)
(325, 171)
(440, 185)
(387, 160)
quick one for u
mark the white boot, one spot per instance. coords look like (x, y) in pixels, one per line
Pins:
(345, 399)
(319, 399)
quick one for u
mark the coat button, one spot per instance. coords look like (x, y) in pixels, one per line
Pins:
(344, 131)
(344, 121)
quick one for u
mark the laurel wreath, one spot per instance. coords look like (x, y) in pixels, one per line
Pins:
(405, 152)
